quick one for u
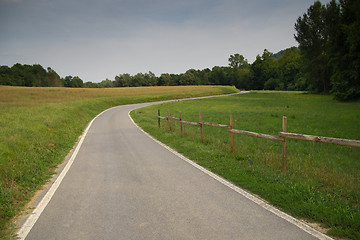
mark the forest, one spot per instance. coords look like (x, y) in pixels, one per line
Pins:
(327, 60)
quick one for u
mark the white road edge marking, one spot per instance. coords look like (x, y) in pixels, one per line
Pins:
(244, 193)
(34, 216)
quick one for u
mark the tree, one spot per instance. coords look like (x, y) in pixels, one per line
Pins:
(272, 84)
(5, 75)
(77, 82)
(203, 76)
(237, 61)
(263, 69)
(17, 75)
(53, 78)
(219, 76)
(329, 41)
(36, 76)
(289, 65)
(313, 38)
(345, 50)
(67, 81)
(137, 80)
(90, 85)
(188, 78)
(106, 84)
(165, 80)
(123, 80)
(150, 79)
(74, 82)
(240, 71)
(241, 77)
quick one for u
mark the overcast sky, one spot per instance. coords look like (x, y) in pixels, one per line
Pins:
(99, 39)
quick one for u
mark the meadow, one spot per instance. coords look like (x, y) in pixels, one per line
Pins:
(39, 126)
(322, 184)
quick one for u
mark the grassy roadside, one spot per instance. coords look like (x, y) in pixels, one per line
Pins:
(323, 181)
(39, 126)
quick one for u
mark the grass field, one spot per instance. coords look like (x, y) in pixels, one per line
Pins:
(39, 126)
(322, 184)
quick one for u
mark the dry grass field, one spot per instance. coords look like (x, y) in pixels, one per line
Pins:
(24, 96)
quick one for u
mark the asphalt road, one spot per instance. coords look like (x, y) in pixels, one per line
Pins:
(124, 185)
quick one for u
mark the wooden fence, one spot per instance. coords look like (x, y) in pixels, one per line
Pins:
(282, 136)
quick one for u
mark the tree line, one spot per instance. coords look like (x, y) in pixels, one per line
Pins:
(327, 60)
(35, 76)
(279, 71)
(267, 72)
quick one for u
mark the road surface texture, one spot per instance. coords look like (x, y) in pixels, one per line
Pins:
(124, 185)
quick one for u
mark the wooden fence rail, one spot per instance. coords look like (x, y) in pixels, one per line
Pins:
(337, 141)
(258, 135)
(282, 136)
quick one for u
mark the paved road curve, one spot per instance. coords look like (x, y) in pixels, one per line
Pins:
(124, 185)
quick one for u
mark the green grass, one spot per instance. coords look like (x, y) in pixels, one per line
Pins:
(39, 126)
(322, 184)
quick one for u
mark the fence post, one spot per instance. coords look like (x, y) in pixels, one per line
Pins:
(159, 118)
(231, 134)
(284, 147)
(181, 125)
(167, 119)
(201, 128)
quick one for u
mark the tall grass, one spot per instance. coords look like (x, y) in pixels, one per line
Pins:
(39, 126)
(323, 181)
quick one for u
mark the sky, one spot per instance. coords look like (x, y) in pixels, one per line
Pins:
(99, 39)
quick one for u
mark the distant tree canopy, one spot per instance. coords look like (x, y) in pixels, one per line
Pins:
(329, 42)
(29, 76)
(74, 82)
(35, 76)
